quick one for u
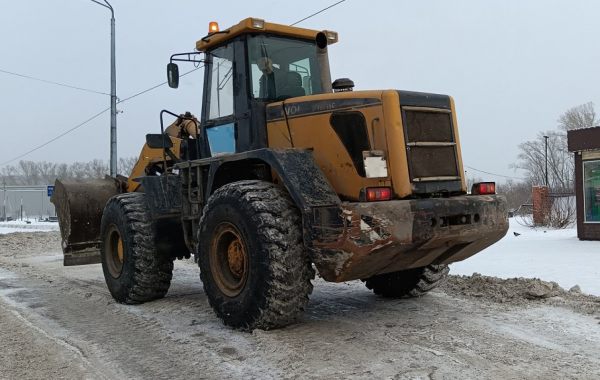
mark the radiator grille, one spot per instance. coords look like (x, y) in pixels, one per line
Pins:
(430, 145)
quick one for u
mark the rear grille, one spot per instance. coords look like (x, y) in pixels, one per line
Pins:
(432, 162)
(428, 126)
(431, 148)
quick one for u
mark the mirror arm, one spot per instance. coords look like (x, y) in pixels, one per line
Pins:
(187, 57)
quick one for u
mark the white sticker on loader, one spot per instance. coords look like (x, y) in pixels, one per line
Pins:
(375, 167)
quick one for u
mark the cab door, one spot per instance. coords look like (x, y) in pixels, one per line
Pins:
(218, 112)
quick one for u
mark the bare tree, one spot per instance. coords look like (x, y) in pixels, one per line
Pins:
(516, 193)
(44, 172)
(562, 213)
(62, 171)
(532, 159)
(582, 116)
(29, 173)
(532, 154)
(47, 171)
(78, 170)
(126, 165)
(9, 175)
(96, 169)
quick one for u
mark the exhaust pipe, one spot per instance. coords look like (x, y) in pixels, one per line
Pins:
(323, 60)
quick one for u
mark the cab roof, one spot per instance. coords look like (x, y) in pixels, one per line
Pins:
(255, 25)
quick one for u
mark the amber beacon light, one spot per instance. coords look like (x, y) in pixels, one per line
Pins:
(213, 27)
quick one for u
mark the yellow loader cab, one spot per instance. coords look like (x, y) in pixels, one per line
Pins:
(287, 169)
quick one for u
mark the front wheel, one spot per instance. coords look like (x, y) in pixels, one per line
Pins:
(253, 264)
(134, 270)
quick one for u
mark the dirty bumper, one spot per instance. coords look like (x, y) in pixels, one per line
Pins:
(381, 237)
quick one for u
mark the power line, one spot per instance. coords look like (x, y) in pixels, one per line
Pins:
(495, 174)
(316, 13)
(52, 82)
(57, 137)
(90, 119)
(156, 86)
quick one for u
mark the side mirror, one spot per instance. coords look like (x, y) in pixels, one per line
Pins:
(173, 75)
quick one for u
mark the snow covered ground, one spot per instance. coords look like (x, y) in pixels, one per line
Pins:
(548, 254)
(23, 226)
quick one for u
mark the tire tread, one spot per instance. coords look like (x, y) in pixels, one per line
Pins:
(152, 273)
(280, 234)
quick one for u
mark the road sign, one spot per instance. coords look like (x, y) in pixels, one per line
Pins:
(50, 190)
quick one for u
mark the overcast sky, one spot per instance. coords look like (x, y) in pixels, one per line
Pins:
(512, 67)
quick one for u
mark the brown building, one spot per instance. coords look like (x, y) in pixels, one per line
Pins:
(585, 143)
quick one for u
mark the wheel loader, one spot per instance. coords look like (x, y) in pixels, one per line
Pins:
(285, 174)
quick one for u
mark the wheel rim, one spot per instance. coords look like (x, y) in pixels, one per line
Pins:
(114, 252)
(229, 259)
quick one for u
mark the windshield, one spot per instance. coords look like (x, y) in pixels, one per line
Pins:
(282, 68)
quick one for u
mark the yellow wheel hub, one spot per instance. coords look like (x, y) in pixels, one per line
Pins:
(120, 250)
(228, 259)
(236, 258)
(114, 251)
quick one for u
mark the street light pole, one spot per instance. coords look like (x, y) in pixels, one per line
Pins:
(113, 91)
(546, 159)
(4, 204)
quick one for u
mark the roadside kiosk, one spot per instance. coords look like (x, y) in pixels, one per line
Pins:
(585, 143)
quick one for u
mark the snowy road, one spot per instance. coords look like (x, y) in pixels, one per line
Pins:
(61, 322)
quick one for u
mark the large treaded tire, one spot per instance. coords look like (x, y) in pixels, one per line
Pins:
(145, 275)
(279, 271)
(408, 283)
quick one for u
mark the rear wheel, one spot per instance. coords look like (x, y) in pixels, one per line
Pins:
(408, 283)
(253, 264)
(134, 270)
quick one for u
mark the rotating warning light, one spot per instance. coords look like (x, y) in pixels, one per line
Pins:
(213, 27)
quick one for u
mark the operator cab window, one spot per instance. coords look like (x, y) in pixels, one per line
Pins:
(221, 128)
(282, 68)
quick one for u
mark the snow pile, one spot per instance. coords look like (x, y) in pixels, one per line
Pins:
(520, 291)
(27, 226)
(30, 243)
(548, 254)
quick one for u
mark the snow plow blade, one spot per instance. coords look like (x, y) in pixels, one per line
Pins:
(79, 205)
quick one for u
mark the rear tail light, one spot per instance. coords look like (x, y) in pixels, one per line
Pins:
(483, 188)
(374, 194)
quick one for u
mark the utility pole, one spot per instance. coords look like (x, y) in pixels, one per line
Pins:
(546, 158)
(113, 91)
(4, 208)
